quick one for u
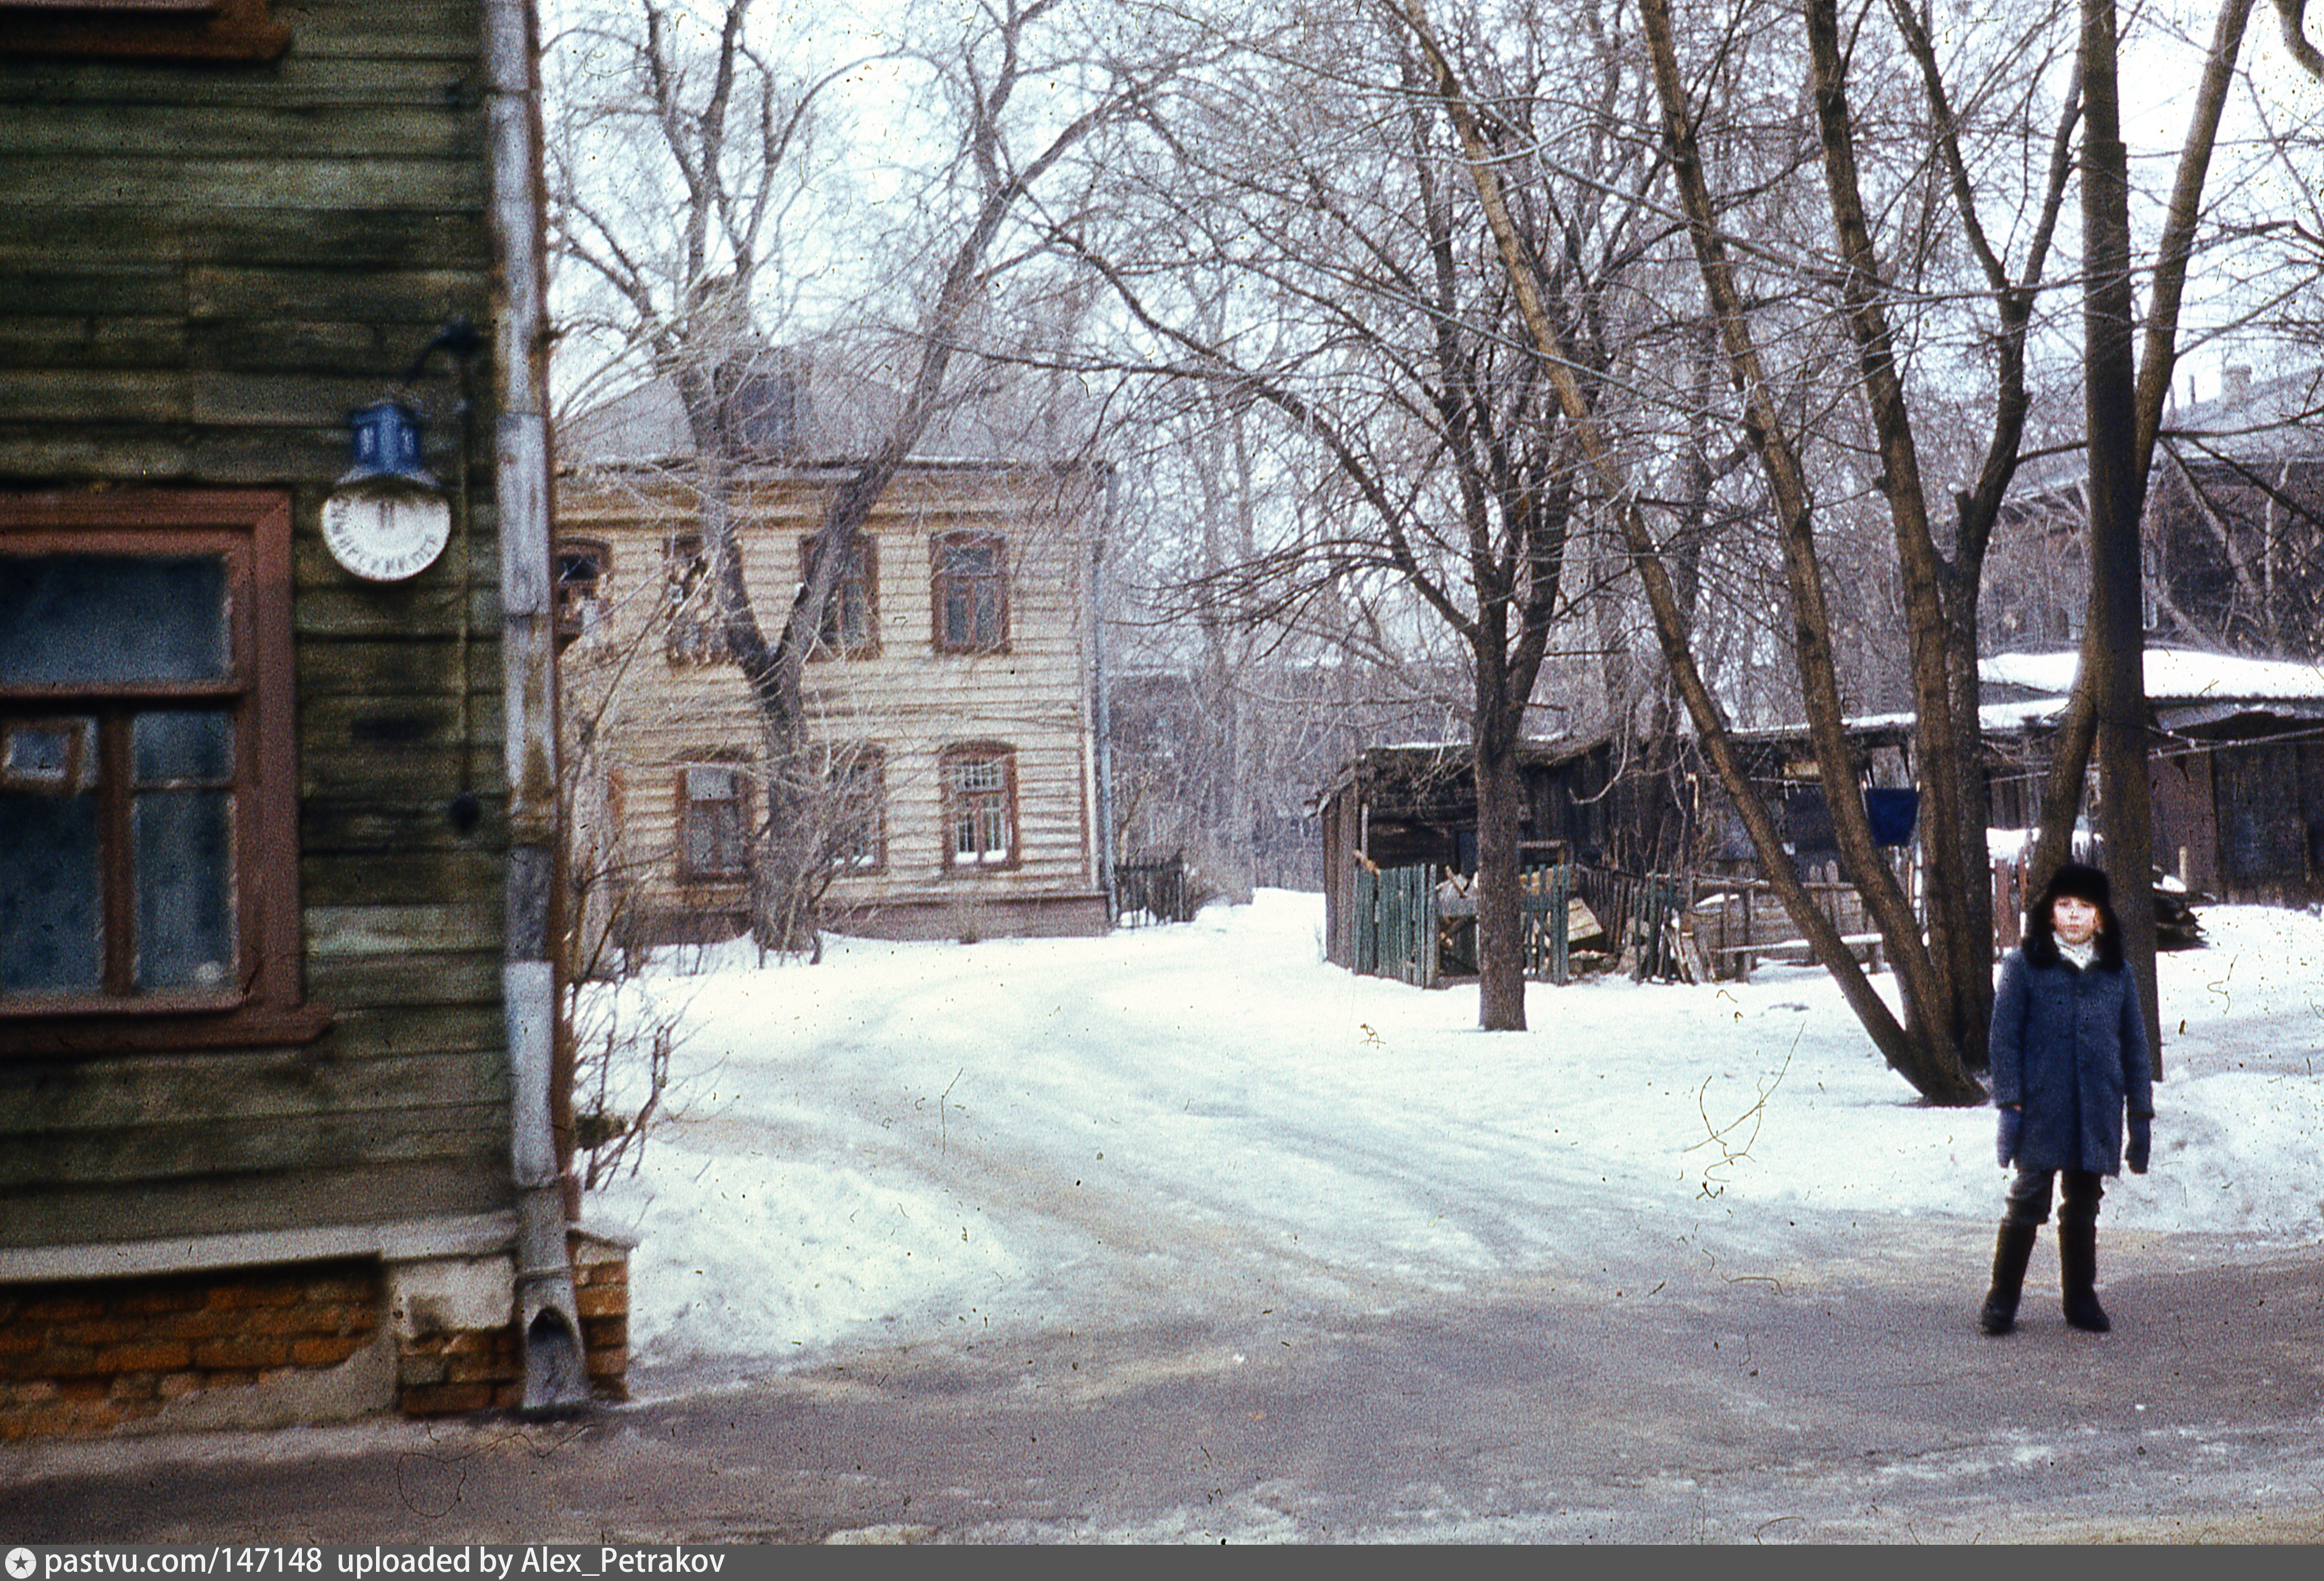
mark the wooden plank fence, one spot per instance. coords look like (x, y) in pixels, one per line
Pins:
(1689, 927)
(1397, 924)
(1150, 892)
(1401, 920)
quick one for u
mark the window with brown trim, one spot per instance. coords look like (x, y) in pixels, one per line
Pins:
(148, 847)
(714, 821)
(851, 620)
(980, 807)
(580, 587)
(855, 793)
(690, 633)
(971, 592)
(153, 29)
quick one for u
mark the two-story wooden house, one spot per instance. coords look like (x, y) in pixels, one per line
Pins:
(950, 699)
(278, 806)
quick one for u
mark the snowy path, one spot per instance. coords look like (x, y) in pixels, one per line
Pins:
(1206, 1122)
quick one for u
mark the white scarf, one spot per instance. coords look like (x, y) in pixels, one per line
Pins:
(2081, 955)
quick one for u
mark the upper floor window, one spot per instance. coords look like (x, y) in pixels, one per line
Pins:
(691, 632)
(714, 821)
(850, 622)
(971, 592)
(856, 796)
(980, 807)
(148, 849)
(580, 588)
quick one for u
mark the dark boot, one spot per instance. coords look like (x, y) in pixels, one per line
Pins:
(2078, 1270)
(2010, 1253)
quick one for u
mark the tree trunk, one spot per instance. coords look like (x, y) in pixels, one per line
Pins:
(2117, 639)
(1500, 806)
(2069, 750)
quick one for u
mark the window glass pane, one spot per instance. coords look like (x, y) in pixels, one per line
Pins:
(713, 840)
(49, 903)
(103, 617)
(184, 746)
(185, 887)
(712, 785)
(970, 558)
(53, 756)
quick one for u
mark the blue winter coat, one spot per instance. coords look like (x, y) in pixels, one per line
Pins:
(2070, 1046)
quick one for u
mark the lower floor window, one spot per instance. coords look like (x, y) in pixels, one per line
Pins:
(712, 820)
(980, 787)
(856, 800)
(116, 853)
(148, 860)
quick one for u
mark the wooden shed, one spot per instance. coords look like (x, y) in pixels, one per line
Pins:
(2236, 767)
(278, 832)
(1416, 805)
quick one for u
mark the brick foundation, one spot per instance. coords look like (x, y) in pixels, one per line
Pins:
(448, 1371)
(101, 1356)
(301, 1342)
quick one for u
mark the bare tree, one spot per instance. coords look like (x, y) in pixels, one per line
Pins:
(1942, 977)
(1858, 285)
(1308, 191)
(724, 124)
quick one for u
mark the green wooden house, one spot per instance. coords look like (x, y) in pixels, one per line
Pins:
(280, 1070)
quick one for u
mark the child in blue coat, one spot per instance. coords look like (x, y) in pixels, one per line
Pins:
(2068, 1060)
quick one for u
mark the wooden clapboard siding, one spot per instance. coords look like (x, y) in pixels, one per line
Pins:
(111, 1095)
(905, 699)
(203, 268)
(287, 1197)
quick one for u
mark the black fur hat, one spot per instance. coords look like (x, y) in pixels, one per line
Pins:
(2073, 881)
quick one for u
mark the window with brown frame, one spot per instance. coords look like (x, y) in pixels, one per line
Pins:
(580, 587)
(714, 821)
(148, 847)
(851, 620)
(980, 807)
(153, 29)
(971, 592)
(690, 633)
(855, 788)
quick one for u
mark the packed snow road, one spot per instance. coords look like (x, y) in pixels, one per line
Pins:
(1208, 1123)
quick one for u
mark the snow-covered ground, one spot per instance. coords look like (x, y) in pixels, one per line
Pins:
(907, 1141)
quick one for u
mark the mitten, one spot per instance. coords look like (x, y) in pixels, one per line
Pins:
(2005, 1143)
(2142, 1142)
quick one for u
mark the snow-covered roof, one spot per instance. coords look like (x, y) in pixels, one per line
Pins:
(2173, 675)
(2185, 688)
(2250, 418)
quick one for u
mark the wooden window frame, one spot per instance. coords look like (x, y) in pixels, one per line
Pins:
(867, 578)
(872, 761)
(683, 804)
(573, 620)
(950, 763)
(943, 579)
(250, 531)
(144, 30)
(690, 631)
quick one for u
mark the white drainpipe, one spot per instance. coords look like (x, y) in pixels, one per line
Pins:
(556, 1375)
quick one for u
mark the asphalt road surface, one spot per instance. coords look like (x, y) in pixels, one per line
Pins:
(1841, 1395)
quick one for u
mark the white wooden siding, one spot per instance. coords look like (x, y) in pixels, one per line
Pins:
(650, 715)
